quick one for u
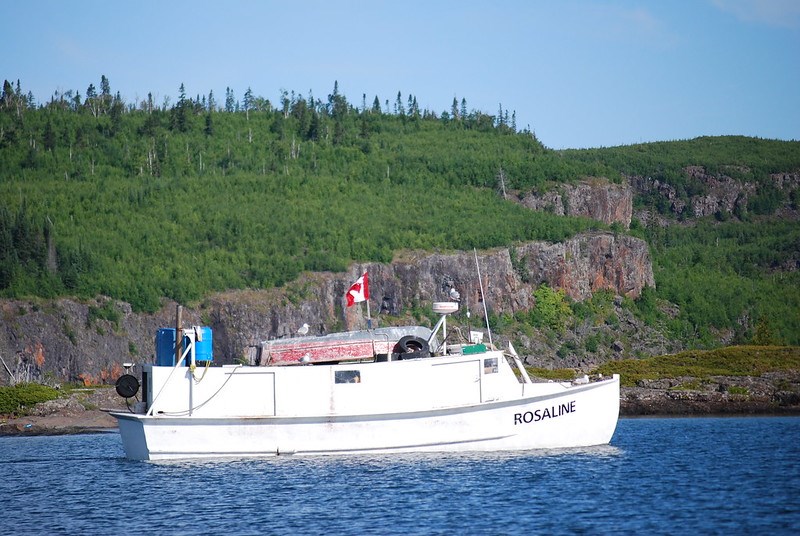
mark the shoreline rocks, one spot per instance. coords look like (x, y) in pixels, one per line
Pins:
(642, 402)
(84, 411)
(775, 392)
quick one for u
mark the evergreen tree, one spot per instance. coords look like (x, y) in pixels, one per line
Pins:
(248, 102)
(285, 103)
(49, 136)
(105, 86)
(7, 99)
(105, 94)
(179, 111)
(117, 108)
(398, 105)
(337, 103)
(91, 100)
(230, 102)
(315, 128)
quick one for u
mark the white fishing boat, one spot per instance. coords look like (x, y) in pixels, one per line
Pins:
(375, 391)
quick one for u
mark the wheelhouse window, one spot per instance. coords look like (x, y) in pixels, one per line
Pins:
(347, 376)
(490, 366)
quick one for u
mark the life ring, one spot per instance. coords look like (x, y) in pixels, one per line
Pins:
(411, 347)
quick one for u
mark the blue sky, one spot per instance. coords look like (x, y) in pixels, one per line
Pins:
(578, 73)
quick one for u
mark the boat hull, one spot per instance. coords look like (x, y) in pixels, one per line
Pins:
(558, 416)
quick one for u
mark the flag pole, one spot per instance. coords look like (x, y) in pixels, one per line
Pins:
(366, 299)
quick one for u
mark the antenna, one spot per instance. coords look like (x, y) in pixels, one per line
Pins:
(480, 282)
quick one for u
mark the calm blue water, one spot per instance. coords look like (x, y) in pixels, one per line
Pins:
(666, 476)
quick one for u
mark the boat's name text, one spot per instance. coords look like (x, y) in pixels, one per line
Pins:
(546, 413)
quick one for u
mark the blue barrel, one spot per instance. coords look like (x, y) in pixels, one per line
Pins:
(165, 347)
(203, 350)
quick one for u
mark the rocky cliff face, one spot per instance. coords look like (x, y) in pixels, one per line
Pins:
(597, 199)
(67, 340)
(721, 193)
(611, 203)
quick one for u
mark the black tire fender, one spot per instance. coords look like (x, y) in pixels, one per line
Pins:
(411, 347)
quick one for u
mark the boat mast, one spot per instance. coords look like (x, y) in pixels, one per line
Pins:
(480, 282)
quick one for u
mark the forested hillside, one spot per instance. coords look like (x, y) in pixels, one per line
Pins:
(144, 200)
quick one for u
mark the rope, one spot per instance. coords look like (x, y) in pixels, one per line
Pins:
(192, 368)
(198, 406)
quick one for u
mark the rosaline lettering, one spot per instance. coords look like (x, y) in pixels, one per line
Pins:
(546, 413)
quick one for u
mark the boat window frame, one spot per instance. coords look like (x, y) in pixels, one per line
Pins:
(347, 376)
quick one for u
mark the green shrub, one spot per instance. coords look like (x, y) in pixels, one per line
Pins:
(561, 374)
(552, 309)
(730, 361)
(18, 397)
(107, 311)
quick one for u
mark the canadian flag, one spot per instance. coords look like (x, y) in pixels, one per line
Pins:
(358, 291)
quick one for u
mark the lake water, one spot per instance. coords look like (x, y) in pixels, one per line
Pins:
(658, 476)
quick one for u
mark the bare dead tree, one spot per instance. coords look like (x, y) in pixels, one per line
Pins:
(501, 182)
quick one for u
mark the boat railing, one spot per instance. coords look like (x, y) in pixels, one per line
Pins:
(512, 353)
(381, 343)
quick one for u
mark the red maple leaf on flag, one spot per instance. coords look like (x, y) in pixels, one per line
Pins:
(358, 291)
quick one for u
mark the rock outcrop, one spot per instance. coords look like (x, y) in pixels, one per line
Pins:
(597, 199)
(68, 340)
(771, 393)
(724, 193)
(718, 194)
(581, 266)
